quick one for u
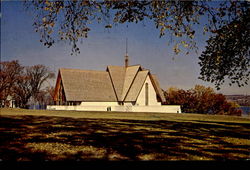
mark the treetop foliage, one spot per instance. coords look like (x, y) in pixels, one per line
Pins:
(230, 57)
(72, 19)
(227, 23)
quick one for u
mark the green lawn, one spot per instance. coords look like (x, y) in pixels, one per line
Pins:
(74, 135)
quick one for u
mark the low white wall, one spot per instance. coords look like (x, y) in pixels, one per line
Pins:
(78, 108)
(161, 109)
(99, 104)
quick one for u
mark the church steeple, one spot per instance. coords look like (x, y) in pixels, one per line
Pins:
(126, 60)
(126, 55)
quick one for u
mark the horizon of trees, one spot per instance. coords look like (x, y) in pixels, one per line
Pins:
(23, 84)
(202, 100)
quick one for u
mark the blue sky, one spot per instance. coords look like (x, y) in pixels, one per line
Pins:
(104, 47)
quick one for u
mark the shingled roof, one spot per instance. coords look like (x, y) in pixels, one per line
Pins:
(85, 85)
(117, 83)
(131, 74)
(136, 86)
(117, 75)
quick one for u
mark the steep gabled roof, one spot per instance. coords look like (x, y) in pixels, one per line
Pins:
(136, 86)
(156, 84)
(130, 75)
(117, 83)
(117, 75)
(86, 85)
(122, 79)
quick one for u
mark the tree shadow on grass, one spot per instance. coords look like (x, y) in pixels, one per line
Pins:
(58, 138)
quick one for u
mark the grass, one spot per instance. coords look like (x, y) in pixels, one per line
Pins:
(73, 135)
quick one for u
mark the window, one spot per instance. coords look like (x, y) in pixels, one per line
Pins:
(146, 94)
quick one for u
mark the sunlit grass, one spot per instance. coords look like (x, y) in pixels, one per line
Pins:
(72, 135)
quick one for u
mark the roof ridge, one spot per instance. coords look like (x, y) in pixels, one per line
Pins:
(124, 66)
(134, 65)
(74, 69)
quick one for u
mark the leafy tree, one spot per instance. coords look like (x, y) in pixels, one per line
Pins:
(50, 94)
(203, 97)
(186, 99)
(201, 100)
(22, 90)
(31, 82)
(45, 96)
(227, 54)
(9, 74)
(22, 82)
(219, 105)
(38, 75)
(71, 21)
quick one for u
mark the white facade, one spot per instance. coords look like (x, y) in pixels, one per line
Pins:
(152, 100)
(158, 109)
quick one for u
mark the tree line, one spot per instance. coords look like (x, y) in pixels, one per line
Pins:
(23, 84)
(201, 99)
(27, 83)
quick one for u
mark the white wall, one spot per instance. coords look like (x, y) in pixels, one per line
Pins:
(99, 104)
(152, 100)
(160, 109)
(77, 108)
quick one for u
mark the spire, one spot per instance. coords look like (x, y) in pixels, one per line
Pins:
(126, 55)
